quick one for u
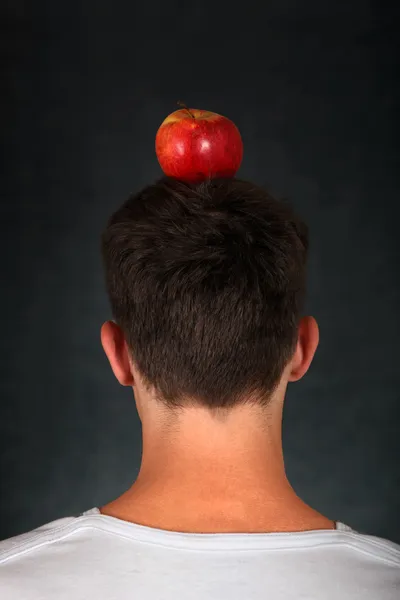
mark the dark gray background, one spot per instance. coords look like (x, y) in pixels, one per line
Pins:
(312, 86)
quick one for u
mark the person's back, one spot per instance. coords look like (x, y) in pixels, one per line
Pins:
(97, 556)
(206, 283)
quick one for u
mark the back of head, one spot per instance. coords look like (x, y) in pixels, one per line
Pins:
(207, 283)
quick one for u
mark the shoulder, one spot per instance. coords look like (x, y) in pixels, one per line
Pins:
(40, 537)
(377, 548)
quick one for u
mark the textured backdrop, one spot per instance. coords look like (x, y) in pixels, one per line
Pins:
(312, 86)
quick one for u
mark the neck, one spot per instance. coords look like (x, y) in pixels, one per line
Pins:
(201, 472)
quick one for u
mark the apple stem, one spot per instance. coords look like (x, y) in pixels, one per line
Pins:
(186, 108)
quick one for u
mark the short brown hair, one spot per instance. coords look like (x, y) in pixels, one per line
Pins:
(207, 282)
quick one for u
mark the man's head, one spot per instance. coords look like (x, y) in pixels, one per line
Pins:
(207, 284)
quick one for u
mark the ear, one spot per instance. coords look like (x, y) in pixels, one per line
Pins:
(116, 349)
(307, 344)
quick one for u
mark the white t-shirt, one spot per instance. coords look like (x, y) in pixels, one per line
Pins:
(98, 557)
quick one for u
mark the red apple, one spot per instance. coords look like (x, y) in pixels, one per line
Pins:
(193, 145)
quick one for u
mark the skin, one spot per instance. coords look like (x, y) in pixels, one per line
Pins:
(213, 473)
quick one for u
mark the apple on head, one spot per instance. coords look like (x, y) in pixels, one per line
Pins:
(193, 145)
